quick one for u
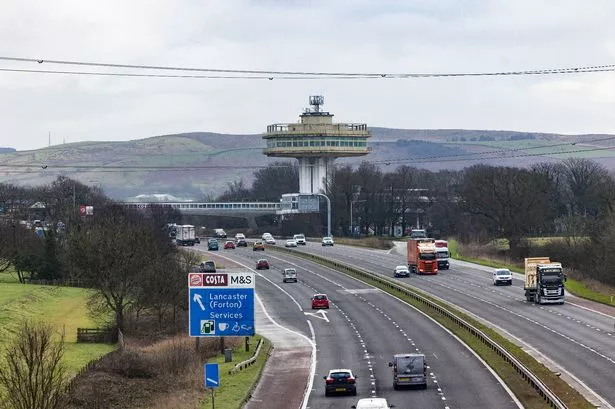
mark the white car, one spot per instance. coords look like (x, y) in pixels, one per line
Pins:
(401, 271)
(372, 403)
(291, 243)
(239, 236)
(300, 239)
(327, 241)
(502, 276)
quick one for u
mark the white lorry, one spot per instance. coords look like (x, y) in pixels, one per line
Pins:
(185, 235)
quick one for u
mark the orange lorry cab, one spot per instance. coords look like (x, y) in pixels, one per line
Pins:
(422, 256)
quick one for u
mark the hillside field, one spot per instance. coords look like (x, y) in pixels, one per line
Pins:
(61, 307)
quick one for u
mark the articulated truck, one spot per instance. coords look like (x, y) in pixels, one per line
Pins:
(184, 235)
(442, 254)
(544, 281)
(422, 256)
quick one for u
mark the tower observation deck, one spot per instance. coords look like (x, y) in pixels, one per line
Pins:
(316, 141)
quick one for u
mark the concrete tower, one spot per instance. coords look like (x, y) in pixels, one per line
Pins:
(316, 141)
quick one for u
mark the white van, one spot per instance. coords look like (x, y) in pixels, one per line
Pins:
(289, 275)
(372, 403)
(409, 370)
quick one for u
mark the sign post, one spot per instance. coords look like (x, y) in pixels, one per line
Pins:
(221, 304)
(212, 380)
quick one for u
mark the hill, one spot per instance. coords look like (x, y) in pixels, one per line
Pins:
(203, 163)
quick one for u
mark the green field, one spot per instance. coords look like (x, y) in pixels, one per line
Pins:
(61, 307)
(539, 146)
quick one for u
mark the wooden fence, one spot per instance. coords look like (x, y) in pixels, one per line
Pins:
(98, 335)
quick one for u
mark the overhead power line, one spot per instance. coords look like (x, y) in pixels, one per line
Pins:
(127, 74)
(49, 168)
(279, 74)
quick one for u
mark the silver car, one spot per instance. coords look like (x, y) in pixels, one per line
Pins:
(502, 276)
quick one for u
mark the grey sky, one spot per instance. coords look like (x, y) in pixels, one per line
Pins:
(341, 35)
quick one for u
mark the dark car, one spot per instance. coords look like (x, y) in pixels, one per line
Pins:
(241, 243)
(229, 244)
(340, 381)
(212, 244)
(262, 264)
(197, 240)
(208, 267)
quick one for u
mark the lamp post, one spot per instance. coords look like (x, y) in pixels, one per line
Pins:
(328, 213)
(351, 227)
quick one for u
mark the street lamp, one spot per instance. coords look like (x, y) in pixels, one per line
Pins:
(351, 202)
(328, 212)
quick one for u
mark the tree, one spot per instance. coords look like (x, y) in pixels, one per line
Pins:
(590, 187)
(114, 252)
(511, 201)
(272, 182)
(32, 375)
(236, 192)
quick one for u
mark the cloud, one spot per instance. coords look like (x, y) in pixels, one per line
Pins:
(318, 35)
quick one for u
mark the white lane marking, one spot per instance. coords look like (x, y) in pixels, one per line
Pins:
(312, 342)
(260, 275)
(434, 379)
(310, 384)
(359, 338)
(603, 401)
(570, 339)
(320, 314)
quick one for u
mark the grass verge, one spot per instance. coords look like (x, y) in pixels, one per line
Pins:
(236, 389)
(61, 307)
(522, 390)
(576, 287)
(372, 242)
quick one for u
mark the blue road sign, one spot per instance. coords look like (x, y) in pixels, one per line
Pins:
(212, 376)
(221, 304)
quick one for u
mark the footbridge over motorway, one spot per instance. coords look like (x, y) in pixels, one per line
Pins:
(247, 210)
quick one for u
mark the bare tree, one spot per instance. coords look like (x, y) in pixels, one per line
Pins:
(32, 375)
(114, 253)
(513, 201)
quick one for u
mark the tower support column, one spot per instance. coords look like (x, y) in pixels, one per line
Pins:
(314, 174)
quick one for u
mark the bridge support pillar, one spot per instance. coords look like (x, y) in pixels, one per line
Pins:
(252, 223)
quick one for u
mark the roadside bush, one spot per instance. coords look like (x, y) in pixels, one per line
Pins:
(32, 375)
(131, 363)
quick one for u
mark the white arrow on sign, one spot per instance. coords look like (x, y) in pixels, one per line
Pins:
(212, 381)
(197, 298)
(322, 315)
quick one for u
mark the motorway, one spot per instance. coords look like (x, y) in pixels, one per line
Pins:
(579, 340)
(362, 330)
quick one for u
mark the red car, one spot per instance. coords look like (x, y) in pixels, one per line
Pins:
(262, 264)
(229, 245)
(320, 301)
